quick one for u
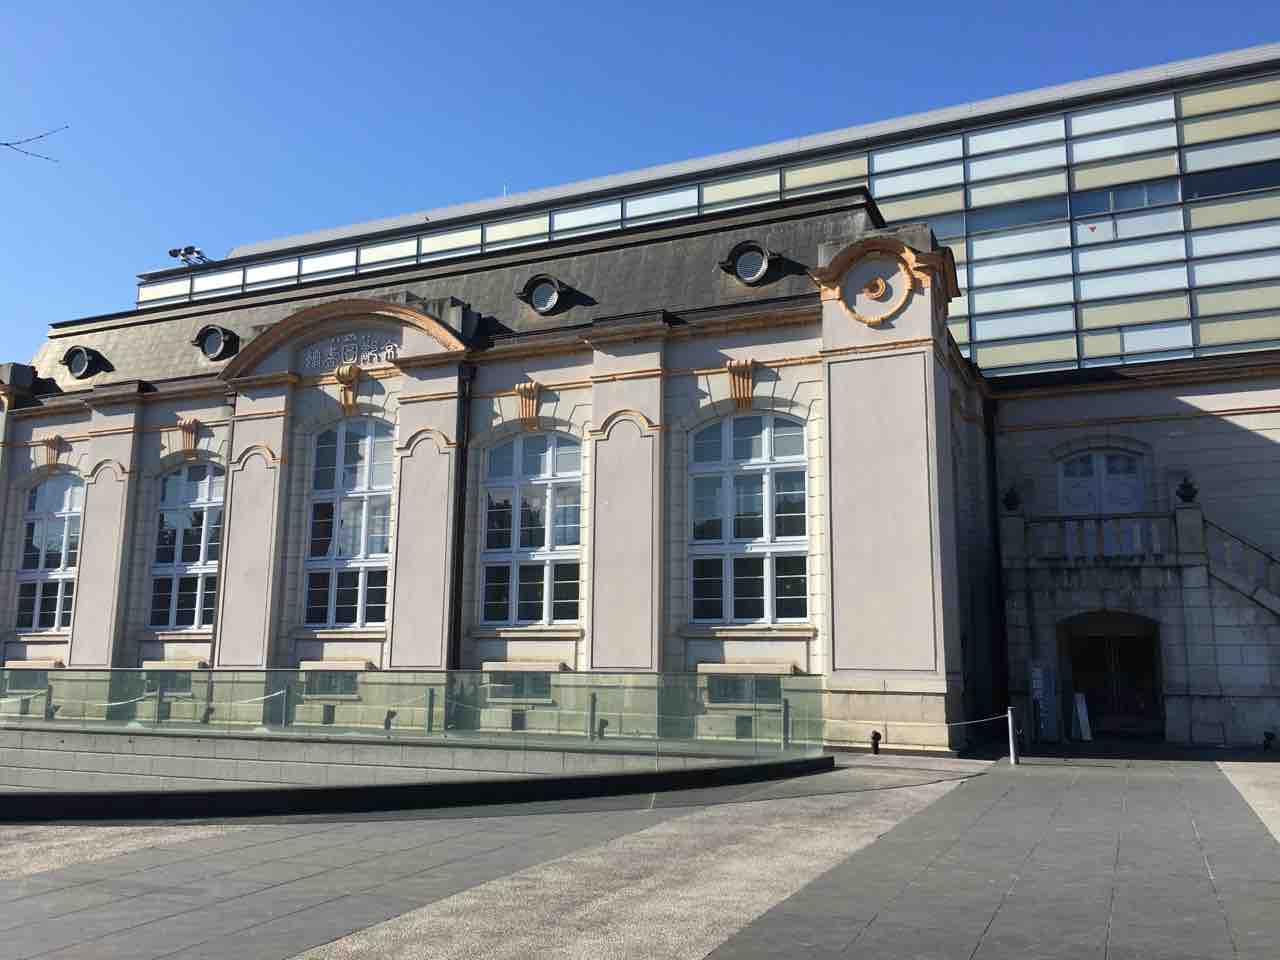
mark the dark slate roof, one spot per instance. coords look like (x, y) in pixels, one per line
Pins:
(667, 267)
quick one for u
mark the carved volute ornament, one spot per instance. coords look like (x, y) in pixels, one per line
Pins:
(348, 377)
(529, 394)
(741, 382)
(874, 278)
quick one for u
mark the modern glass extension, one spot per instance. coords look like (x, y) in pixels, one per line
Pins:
(708, 715)
(1144, 228)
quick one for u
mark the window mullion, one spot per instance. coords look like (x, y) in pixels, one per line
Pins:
(766, 508)
(513, 590)
(173, 600)
(770, 613)
(364, 527)
(548, 584)
(331, 613)
(361, 583)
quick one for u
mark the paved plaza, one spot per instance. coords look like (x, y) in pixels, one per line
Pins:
(885, 857)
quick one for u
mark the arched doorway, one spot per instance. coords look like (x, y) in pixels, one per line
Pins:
(1113, 659)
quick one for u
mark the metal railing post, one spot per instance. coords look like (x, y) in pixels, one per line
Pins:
(1013, 747)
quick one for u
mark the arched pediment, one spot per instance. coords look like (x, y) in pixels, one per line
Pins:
(377, 330)
(873, 278)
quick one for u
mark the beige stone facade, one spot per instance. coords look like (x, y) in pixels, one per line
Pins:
(634, 455)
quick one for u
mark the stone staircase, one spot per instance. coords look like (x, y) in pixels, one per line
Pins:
(1246, 568)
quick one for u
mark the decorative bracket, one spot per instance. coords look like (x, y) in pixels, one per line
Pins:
(741, 382)
(188, 435)
(50, 447)
(529, 393)
(348, 377)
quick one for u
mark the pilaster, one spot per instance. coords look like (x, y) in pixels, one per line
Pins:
(627, 494)
(249, 607)
(106, 539)
(427, 453)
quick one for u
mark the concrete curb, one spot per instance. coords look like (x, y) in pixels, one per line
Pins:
(226, 804)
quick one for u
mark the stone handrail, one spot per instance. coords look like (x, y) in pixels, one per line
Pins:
(1244, 566)
(1111, 538)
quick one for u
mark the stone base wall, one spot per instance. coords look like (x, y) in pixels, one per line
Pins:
(906, 721)
(51, 759)
(1219, 650)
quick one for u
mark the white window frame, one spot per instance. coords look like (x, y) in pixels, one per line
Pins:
(64, 575)
(769, 546)
(514, 557)
(365, 490)
(210, 496)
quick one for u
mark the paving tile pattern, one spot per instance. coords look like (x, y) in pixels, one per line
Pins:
(1112, 860)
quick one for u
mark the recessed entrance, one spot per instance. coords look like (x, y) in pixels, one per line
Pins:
(1114, 660)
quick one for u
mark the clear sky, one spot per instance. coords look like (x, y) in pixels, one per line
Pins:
(224, 123)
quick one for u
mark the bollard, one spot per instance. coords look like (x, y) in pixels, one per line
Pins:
(786, 723)
(875, 742)
(431, 709)
(591, 718)
(1013, 747)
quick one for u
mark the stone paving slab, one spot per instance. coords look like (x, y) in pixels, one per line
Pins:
(1110, 860)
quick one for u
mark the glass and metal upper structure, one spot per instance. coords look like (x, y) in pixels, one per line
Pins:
(1128, 218)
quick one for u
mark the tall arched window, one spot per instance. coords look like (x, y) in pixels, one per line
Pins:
(532, 531)
(50, 554)
(184, 569)
(349, 554)
(748, 529)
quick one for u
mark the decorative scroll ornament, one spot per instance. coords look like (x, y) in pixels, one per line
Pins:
(741, 382)
(49, 449)
(529, 393)
(876, 288)
(898, 270)
(348, 377)
(188, 434)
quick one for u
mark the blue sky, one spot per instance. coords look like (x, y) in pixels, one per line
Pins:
(225, 123)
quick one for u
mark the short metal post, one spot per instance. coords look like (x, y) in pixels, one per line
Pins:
(1013, 746)
(786, 722)
(431, 709)
(591, 718)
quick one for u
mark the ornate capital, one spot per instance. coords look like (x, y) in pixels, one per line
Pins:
(348, 377)
(741, 382)
(529, 393)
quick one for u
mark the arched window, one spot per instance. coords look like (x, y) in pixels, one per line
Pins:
(50, 554)
(530, 551)
(748, 524)
(349, 554)
(184, 568)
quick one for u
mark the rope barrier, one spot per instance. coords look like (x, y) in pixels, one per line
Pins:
(236, 703)
(961, 723)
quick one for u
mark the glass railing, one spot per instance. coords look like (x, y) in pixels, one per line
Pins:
(647, 714)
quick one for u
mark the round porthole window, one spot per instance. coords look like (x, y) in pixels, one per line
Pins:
(212, 343)
(79, 362)
(216, 343)
(544, 296)
(750, 265)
